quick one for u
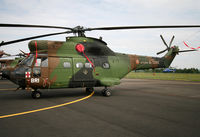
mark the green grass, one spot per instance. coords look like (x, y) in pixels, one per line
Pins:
(164, 76)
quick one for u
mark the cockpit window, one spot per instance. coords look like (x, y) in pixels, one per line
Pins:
(41, 61)
(38, 62)
(27, 61)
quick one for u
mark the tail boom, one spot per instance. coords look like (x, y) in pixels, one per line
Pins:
(138, 62)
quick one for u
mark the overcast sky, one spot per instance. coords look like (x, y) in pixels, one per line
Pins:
(98, 13)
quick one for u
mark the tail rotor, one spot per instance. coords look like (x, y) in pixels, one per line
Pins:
(167, 46)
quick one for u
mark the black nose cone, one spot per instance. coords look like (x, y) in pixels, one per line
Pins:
(6, 74)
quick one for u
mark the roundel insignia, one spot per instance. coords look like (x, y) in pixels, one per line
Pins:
(137, 61)
(80, 48)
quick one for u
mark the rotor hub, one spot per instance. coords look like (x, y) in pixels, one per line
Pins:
(80, 30)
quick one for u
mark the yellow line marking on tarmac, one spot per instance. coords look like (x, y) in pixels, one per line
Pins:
(47, 108)
(8, 89)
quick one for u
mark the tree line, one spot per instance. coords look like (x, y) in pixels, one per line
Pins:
(185, 70)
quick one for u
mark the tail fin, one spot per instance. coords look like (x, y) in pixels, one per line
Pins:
(171, 54)
(169, 57)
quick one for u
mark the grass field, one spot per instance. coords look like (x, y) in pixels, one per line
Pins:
(164, 76)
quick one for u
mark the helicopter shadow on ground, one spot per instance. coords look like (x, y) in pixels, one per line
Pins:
(70, 93)
(63, 93)
(50, 93)
(46, 94)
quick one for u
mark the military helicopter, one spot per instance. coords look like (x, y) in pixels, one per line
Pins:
(8, 63)
(3, 53)
(81, 61)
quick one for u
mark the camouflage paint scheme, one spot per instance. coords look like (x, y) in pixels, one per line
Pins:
(57, 75)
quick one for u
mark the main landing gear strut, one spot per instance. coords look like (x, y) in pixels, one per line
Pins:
(36, 94)
(106, 92)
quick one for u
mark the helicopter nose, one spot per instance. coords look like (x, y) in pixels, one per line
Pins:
(6, 74)
(16, 76)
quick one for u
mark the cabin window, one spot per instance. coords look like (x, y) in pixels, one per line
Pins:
(44, 62)
(106, 65)
(66, 65)
(88, 65)
(79, 65)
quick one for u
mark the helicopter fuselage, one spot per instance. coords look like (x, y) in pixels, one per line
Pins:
(55, 64)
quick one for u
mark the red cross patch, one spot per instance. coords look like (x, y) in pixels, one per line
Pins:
(27, 74)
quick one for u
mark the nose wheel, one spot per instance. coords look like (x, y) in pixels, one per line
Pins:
(106, 92)
(36, 94)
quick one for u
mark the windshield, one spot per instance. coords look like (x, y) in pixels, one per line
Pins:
(27, 61)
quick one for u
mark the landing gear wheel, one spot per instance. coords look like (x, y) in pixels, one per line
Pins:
(106, 92)
(36, 94)
(89, 90)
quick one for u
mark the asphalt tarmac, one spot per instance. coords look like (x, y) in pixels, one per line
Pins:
(137, 108)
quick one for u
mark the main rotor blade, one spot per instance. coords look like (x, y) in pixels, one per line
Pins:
(6, 54)
(141, 27)
(164, 41)
(186, 50)
(21, 55)
(22, 52)
(33, 26)
(33, 37)
(171, 42)
(162, 51)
